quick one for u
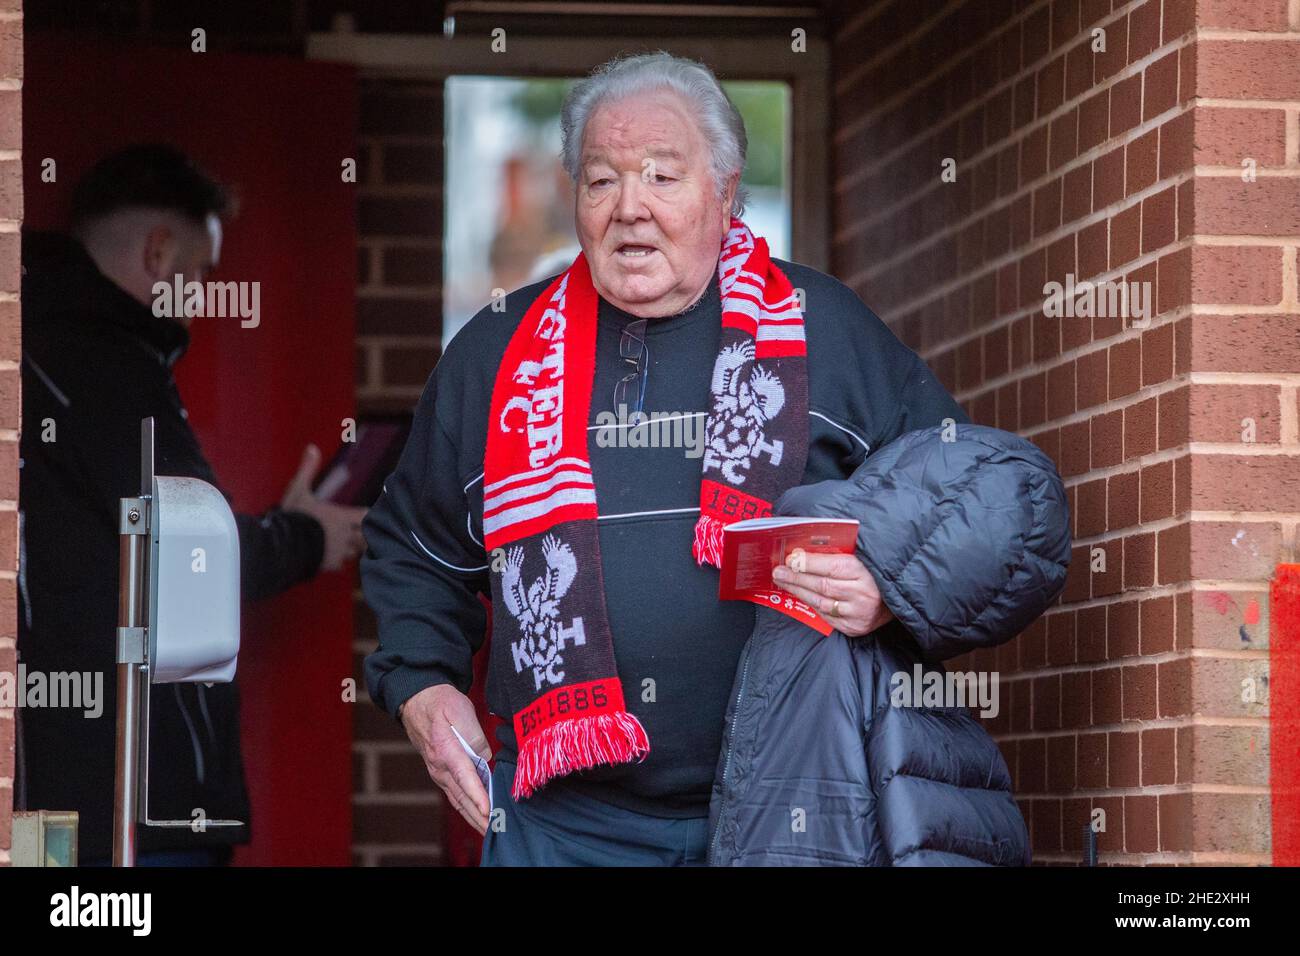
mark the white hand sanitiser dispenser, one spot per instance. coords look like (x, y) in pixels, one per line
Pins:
(195, 581)
(178, 620)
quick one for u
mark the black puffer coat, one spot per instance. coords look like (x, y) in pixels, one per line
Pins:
(969, 541)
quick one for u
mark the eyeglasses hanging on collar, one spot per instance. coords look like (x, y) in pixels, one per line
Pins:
(636, 353)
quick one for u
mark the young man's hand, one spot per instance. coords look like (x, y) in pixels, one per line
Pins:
(342, 524)
(428, 718)
(837, 585)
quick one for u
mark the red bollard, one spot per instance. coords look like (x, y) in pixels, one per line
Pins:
(1284, 713)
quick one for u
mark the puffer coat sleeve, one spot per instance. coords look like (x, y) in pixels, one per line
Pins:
(965, 529)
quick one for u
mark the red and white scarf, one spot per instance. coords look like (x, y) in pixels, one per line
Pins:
(551, 643)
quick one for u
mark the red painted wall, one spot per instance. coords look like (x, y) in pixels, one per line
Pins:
(278, 129)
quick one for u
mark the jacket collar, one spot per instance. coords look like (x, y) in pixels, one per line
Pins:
(60, 276)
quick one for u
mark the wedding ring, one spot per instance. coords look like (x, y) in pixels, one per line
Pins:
(835, 609)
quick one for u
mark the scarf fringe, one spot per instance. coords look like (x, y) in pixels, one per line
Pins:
(576, 745)
(707, 546)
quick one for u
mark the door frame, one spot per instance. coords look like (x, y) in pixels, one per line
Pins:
(433, 57)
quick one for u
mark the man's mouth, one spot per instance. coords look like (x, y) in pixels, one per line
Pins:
(632, 250)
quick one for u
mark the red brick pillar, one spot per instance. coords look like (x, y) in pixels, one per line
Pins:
(1240, 347)
(398, 813)
(985, 150)
(11, 214)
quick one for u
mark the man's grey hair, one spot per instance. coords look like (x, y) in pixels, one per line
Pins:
(718, 119)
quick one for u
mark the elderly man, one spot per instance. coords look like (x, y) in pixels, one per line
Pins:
(612, 657)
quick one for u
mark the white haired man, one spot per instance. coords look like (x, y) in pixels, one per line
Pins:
(612, 658)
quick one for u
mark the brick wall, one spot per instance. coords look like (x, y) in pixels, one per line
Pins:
(11, 214)
(1177, 438)
(397, 810)
(1241, 349)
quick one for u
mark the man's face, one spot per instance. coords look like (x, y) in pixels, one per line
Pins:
(184, 247)
(648, 215)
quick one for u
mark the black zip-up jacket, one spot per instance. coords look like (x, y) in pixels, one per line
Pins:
(675, 643)
(95, 362)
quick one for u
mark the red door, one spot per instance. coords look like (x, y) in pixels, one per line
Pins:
(279, 129)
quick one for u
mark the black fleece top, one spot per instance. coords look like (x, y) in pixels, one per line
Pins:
(675, 643)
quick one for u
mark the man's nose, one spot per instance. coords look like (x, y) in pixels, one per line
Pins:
(631, 198)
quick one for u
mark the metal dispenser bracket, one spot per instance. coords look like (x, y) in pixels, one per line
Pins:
(137, 651)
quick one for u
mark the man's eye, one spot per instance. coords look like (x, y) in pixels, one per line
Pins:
(599, 182)
(664, 179)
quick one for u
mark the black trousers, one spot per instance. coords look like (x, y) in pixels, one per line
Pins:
(557, 827)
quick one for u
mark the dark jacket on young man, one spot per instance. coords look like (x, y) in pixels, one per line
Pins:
(95, 362)
(675, 643)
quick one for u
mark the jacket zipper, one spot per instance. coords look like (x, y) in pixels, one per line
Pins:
(194, 737)
(726, 763)
(207, 718)
(22, 567)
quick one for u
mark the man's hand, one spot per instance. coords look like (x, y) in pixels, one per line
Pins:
(428, 718)
(343, 538)
(837, 585)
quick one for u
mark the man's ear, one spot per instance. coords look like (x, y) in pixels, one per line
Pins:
(732, 184)
(161, 247)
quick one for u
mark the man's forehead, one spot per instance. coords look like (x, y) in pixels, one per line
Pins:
(656, 150)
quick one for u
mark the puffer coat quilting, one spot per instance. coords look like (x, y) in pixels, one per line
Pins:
(969, 541)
